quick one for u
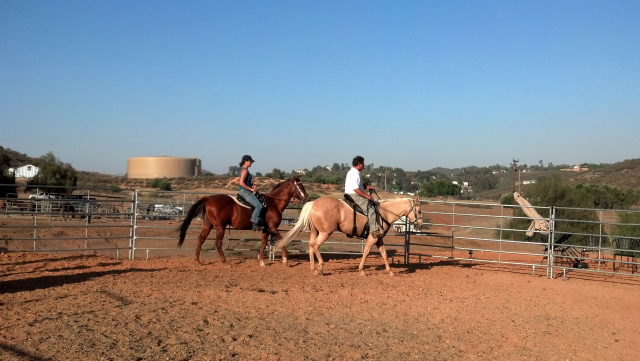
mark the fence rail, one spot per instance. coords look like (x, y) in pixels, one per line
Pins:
(142, 223)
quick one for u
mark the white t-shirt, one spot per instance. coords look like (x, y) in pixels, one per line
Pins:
(353, 181)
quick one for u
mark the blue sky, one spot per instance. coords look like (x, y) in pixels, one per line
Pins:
(409, 84)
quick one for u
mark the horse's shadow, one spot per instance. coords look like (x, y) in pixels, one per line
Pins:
(397, 268)
(49, 281)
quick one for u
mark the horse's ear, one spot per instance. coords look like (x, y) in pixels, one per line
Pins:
(418, 199)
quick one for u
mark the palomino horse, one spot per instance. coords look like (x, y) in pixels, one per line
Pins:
(327, 215)
(219, 211)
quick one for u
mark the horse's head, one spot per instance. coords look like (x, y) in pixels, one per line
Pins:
(415, 213)
(299, 192)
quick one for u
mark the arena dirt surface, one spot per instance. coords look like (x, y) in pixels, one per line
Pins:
(77, 307)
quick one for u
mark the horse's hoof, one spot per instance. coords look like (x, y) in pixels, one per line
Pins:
(363, 274)
(391, 274)
(284, 262)
(262, 263)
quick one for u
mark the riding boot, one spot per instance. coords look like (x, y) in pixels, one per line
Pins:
(256, 226)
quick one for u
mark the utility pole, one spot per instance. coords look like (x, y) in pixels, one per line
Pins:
(515, 170)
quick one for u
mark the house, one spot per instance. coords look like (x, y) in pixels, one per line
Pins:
(26, 171)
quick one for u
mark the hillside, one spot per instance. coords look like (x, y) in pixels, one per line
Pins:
(625, 174)
(17, 159)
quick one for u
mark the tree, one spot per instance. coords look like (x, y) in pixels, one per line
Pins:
(162, 184)
(439, 187)
(276, 174)
(53, 172)
(5, 162)
(234, 171)
(5, 178)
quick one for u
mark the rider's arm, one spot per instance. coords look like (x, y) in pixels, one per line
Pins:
(361, 193)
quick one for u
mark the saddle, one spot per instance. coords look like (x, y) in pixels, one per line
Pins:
(263, 211)
(357, 209)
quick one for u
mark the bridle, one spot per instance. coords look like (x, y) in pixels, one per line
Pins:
(414, 209)
(303, 198)
(296, 187)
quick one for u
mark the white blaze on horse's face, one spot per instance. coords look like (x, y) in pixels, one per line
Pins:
(301, 193)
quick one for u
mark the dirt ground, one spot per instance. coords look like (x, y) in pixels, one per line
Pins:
(77, 307)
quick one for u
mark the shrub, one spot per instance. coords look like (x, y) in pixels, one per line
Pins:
(161, 184)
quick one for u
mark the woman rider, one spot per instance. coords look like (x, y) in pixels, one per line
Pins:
(247, 190)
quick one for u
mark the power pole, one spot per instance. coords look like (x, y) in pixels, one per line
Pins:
(515, 170)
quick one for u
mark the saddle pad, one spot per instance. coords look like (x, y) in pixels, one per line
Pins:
(240, 203)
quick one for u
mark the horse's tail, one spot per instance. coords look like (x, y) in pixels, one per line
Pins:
(196, 209)
(304, 221)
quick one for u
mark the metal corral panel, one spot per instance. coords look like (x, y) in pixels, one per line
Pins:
(162, 167)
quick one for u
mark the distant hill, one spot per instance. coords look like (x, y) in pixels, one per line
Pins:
(17, 159)
(624, 174)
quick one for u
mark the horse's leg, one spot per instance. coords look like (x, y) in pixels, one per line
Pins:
(219, 237)
(312, 239)
(322, 236)
(206, 228)
(367, 248)
(277, 238)
(265, 237)
(383, 252)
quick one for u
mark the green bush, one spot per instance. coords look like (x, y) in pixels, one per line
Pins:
(162, 184)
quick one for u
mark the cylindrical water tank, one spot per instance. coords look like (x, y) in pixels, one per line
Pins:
(163, 167)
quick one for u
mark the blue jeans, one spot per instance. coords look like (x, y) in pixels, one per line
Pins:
(251, 198)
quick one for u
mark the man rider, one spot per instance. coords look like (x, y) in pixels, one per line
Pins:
(354, 187)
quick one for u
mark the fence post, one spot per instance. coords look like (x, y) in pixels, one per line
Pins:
(550, 241)
(134, 225)
(407, 240)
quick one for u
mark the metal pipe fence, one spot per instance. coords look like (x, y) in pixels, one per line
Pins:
(143, 224)
(577, 240)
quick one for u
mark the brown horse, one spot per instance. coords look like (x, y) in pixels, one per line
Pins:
(219, 211)
(327, 215)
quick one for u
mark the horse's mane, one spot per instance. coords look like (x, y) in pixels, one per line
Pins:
(278, 186)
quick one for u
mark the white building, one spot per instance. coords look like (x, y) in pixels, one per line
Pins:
(26, 171)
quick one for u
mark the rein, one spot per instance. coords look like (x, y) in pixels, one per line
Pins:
(413, 208)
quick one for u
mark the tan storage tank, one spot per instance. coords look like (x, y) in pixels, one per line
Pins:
(163, 167)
